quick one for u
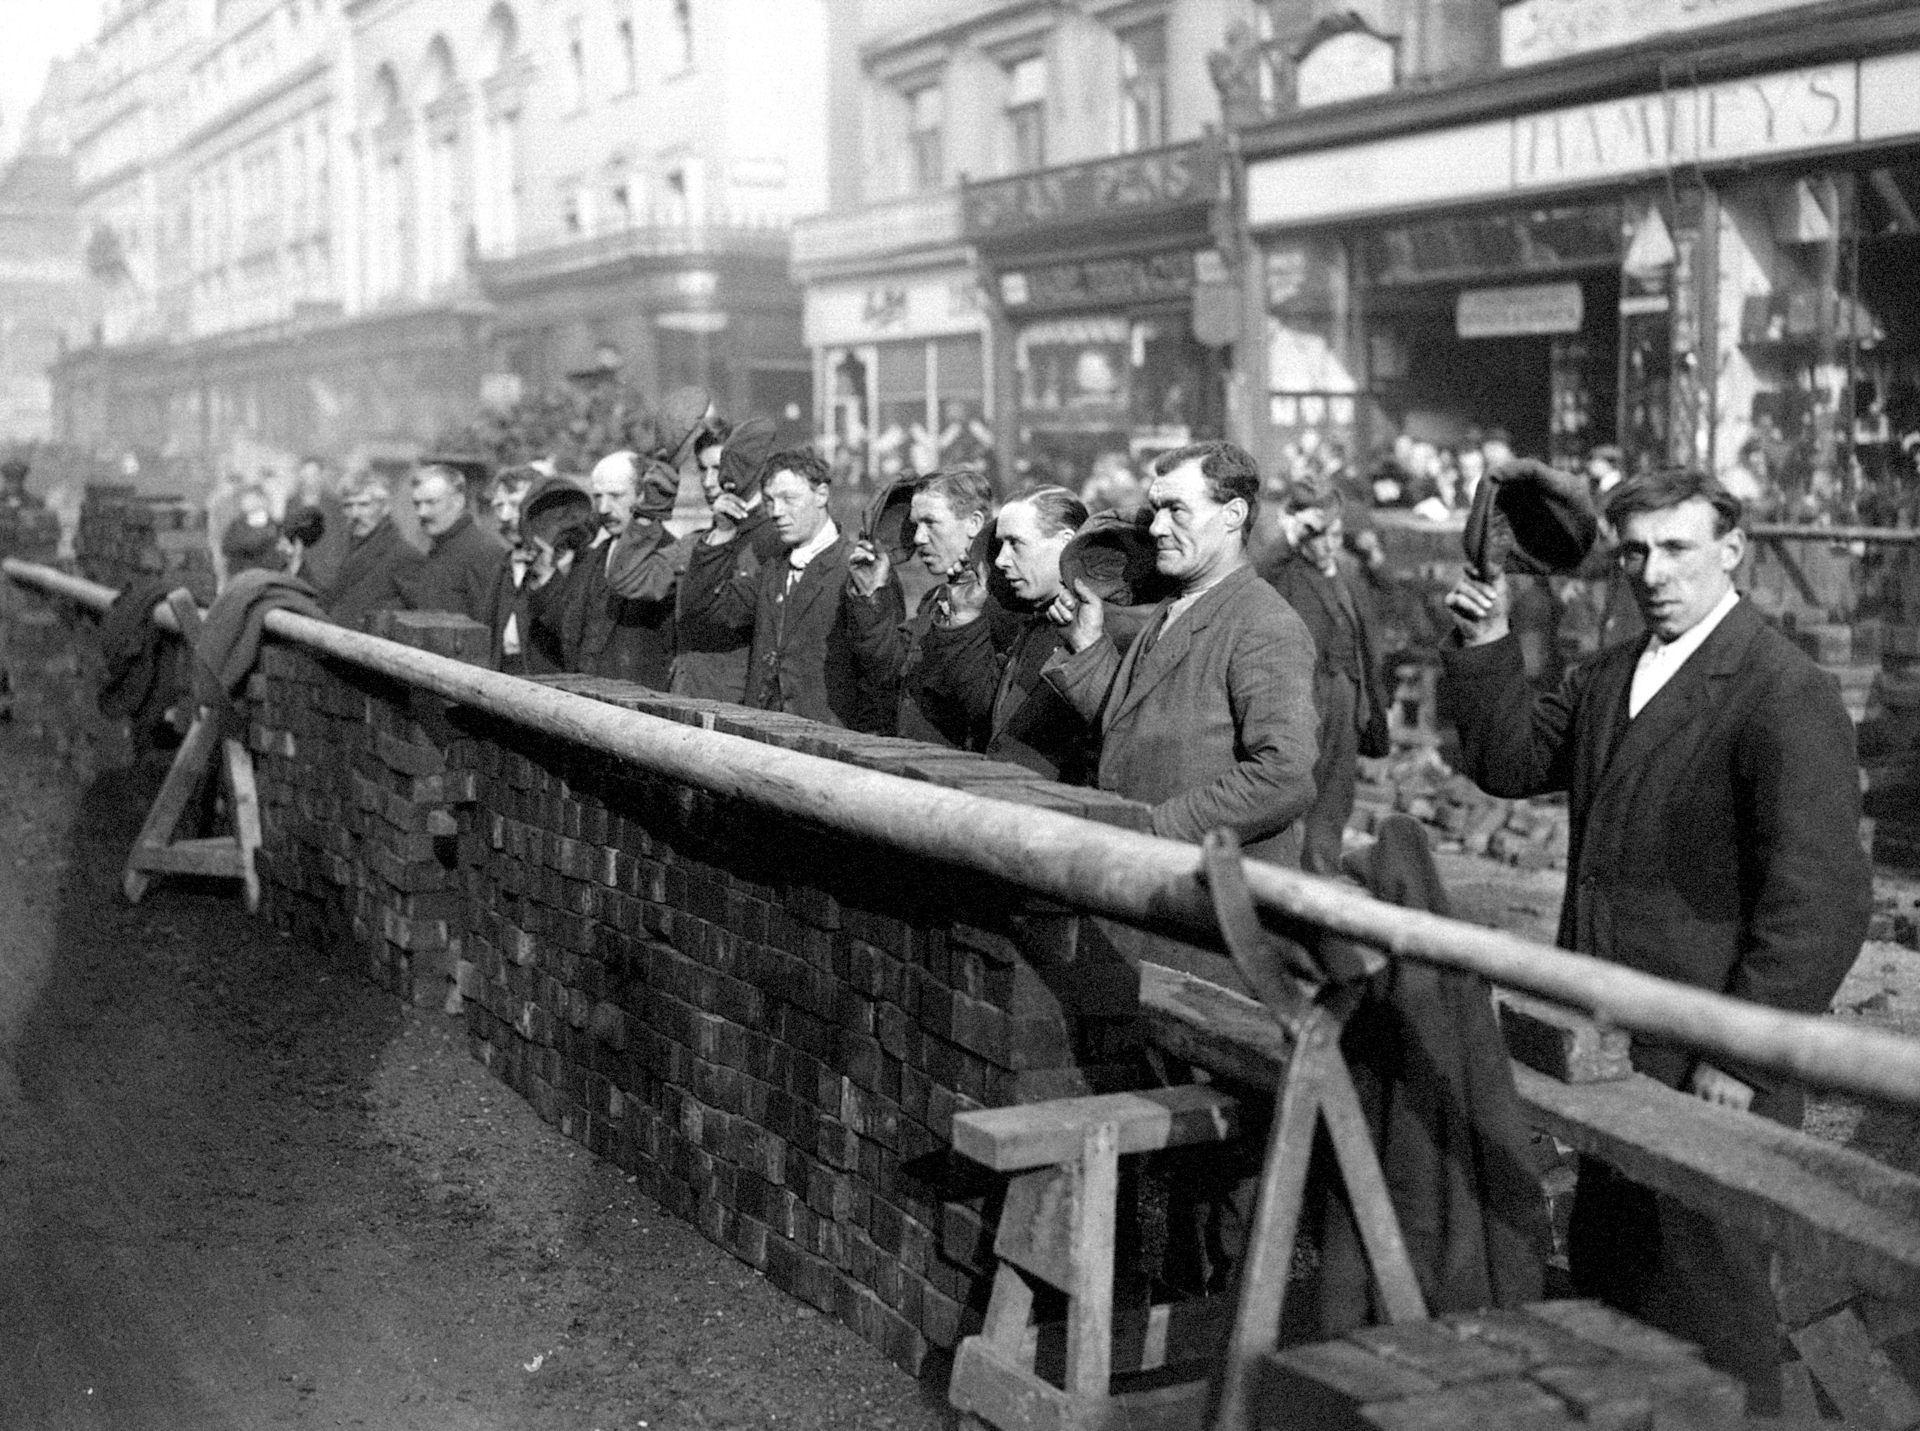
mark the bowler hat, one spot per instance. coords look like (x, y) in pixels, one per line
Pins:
(888, 524)
(1530, 519)
(1114, 553)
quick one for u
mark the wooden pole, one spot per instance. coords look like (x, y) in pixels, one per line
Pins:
(1141, 880)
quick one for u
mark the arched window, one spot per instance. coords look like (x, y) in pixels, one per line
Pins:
(500, 40)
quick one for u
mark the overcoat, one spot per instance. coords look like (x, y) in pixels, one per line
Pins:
(372, 576)
(459, 572)
(1211, 720)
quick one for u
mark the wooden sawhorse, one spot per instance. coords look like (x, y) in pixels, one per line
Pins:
(1057, 1227)
(155, 851)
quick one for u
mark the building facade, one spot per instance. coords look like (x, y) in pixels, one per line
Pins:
(1686, 230)
(343, 226)
(42, 282)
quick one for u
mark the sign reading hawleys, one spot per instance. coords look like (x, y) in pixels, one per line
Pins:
(1147, 183)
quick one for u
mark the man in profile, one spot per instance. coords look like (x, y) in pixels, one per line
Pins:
(461, 572)
(801, 655)
(1714, 794)
(378, 563)
(1209, 715)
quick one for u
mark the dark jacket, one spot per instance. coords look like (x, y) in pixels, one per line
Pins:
(1715, 837)
(459, 573)
(894, 651)
(1211, 721)
(802, 657)
(1010, 712)
(710, 658)
(1339, 615)
(540, 650)
(373, 576)
(620, 609)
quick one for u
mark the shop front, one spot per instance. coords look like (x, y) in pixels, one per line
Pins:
(1721, 273)
(1092, 273)
(900, 370)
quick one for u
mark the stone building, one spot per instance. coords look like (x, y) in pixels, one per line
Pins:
(341, 226)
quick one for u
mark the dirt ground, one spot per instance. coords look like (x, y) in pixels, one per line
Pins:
(241, 1188)
(239, 1191)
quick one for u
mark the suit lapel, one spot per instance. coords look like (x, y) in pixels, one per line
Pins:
(816, 580)
(1692, 690)
(1142, 674)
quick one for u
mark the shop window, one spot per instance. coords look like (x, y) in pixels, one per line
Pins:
(1143, 86)
(1026, 114)
(926, 121)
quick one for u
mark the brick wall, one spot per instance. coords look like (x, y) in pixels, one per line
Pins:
(768, 1024)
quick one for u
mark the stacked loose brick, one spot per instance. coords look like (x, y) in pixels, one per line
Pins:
(124, 536)
(358, 801)
(768, 1024)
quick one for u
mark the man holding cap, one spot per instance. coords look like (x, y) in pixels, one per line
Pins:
(1714, 794)
(711, 659)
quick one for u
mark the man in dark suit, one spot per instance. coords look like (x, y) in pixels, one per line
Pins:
(801, 657)
(1209, 715)
(711, 662)
(947, 514)
(379, 562)
(620, 601)
(464, 560)
(1010, 713)
(1715, 807)
(1320, 584)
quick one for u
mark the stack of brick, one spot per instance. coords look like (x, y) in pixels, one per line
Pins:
(1417, 781)
(770, 1026)
(359, 803)
(124, 535)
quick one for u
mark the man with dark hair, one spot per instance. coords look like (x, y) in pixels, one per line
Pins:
(1320, 584)
(801, 657)
(948, 513)
(463, 562)
(710, 661)
(1010, 712)
(379, 562)
(1714, 795)
(1209, 716)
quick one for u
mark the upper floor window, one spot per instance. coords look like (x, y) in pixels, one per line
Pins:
(576, 68)
(1272, 28)
(683, 33)
(1143, 86)
(926, 117)
(1027, 114)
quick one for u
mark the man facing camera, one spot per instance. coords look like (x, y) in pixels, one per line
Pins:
(1209, 715)
(801, 655)
(1715, 807)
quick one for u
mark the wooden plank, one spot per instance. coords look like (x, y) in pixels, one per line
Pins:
(1035, 1135)
(1809, 1198)
(1858, 1376)
(1562, 1043)
(1006, 1396)
(215, 859)
(1795, 1191)
(1090, 1292)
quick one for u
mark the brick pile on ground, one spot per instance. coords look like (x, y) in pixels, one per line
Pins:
(358, 802)
(125, 535)
(1416, 780)
(768, 1025)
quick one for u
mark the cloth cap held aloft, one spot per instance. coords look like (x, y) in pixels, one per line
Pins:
(888, 524)
(745, 453)
(1530, 519)
(1114, 553)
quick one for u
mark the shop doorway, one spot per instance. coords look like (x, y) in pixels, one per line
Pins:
(1447, 363)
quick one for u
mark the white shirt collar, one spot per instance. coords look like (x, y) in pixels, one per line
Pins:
(798, 557)
(1662, 659)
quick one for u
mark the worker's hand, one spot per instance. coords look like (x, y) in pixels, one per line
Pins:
(543, 566)
(1479, 609)
(1080, 616)
(1367, 544)
(867, 568)
(963, 599)
(728, 513)
(1714, 1086)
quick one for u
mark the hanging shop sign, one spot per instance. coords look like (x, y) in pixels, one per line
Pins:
(1534, 31)
(1815, 108)
(924, 305)
(1528, 311)
(1118, 282)
(1131, 184)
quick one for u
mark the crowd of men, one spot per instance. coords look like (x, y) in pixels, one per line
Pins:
(1710, 764)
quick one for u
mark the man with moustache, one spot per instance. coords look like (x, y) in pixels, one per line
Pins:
(1714, 795)
(616, 610)
(1011, 713)
(948, 513)
(464, 561)
(379, 561)
(801, 657)
(1209, 716)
